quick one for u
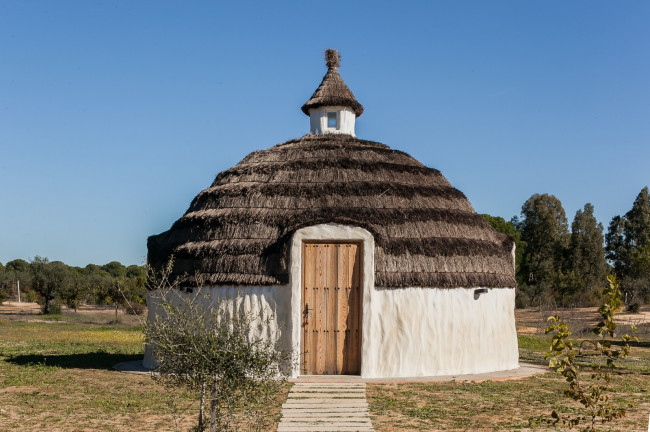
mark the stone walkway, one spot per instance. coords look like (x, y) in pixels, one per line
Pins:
(326, 406)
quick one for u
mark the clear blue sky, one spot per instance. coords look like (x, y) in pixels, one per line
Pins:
(115, 114)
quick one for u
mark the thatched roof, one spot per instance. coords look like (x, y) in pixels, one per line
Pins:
(238, 231)
(333, 91)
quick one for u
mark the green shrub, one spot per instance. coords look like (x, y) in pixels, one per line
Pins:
(53, 308)
(135, 308)
(522, 300)
(30, 296)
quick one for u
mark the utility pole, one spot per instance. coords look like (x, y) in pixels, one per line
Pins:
(18, 283)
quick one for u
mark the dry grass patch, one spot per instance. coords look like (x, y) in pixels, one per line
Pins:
(511, 405)
(60, 378)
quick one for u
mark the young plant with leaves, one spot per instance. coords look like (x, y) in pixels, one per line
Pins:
(205, 344)
(592, 391)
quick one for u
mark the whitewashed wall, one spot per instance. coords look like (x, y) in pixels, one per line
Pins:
(271, 303)
(406, 332)
(435, 331)
(318, 120)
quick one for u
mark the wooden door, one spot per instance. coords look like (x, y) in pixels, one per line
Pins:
(331, 308)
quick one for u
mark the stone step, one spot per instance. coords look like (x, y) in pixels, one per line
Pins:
(330, 416)
(330, 384)
(328, 390)
(326, 418)
(326, 406)
(325, 403)
(323, 411)
(301, 428)
(305, 395)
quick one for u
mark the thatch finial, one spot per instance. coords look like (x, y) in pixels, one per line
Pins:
(332, 58)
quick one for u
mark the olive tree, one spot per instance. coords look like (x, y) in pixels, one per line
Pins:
(48, 280)
(200, 344)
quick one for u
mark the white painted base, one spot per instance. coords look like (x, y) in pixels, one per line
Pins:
(410, 332)
(433, 331)
(271, 303)
(406, 332)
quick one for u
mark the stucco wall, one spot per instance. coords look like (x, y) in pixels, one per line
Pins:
(318, 120)
(405, 332)
(271, 303)
(434, 331)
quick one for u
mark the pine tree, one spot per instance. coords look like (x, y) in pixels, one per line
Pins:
(586, 257)
(637, 226)
(629, 233)
(617, 251)
(544, 228)
(628, 248)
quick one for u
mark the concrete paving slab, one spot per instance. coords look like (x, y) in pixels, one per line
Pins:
(326, 407)
(308, 395)
(523, 371)
(286, 428)
(329, 411)
(292, 416)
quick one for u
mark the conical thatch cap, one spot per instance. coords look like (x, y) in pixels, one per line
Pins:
(333, 91)
(238, 231)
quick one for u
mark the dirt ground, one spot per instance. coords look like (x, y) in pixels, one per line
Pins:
(579, 320)
(91, 314)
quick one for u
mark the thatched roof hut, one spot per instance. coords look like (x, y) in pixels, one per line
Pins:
(238, 231)
(421, 249)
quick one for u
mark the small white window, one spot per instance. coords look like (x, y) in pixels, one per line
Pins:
(332, 120)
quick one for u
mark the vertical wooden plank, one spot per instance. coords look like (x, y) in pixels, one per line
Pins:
(332, 262)
(322, 308)
(348, 317)
(342, 309)
(314, 313)
(308, 301)
(305, 343)
(322, 301)
(318, 309)
(355, 306)
(353, 311)
(306, 292)
(315, 309)
(359, 283)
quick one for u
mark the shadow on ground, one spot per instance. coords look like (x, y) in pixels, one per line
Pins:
(95, 360)
(633, 344)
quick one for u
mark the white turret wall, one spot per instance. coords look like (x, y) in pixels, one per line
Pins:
(318, 121)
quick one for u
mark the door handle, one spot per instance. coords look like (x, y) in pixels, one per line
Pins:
(306, 313)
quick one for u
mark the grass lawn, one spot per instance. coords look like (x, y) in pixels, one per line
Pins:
(56, 375)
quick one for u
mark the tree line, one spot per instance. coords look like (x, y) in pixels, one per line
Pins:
(568, 267)
(53, 284)
(554, 264)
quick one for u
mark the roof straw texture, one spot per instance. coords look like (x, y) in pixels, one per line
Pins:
(333, 91)
(238, 231)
